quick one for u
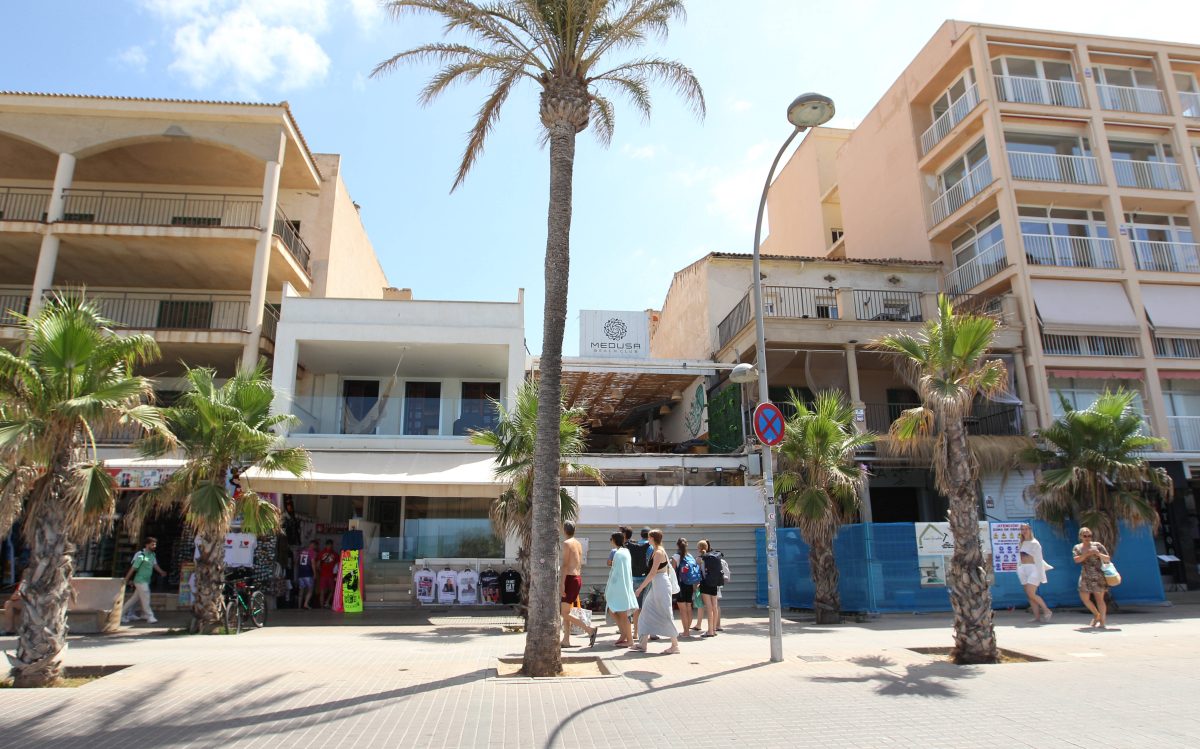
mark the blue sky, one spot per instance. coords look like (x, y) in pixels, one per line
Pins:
(665, 192)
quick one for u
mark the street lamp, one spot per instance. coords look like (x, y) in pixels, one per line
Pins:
(805, 111)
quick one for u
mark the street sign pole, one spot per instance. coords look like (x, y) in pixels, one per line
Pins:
(769, 428)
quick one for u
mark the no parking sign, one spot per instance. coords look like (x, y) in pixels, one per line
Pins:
(768, 424)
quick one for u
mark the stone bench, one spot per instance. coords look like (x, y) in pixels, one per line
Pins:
(95, 606)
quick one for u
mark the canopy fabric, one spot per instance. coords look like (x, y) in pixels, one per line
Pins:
(1095, 374)
(362, 474)
(1178, 374)
(1173, 310)
(1072, 307)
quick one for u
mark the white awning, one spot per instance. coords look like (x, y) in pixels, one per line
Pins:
(668, 505)
(1070, 307)
(1174, 311)
(363, 474)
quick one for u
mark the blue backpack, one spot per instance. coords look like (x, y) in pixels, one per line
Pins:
(689, 571)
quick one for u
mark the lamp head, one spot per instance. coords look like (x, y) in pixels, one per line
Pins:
(810, 110)
(743, 373)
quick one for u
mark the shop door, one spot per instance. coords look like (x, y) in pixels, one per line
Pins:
(388, 512)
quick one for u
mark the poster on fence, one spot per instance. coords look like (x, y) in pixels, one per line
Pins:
(935, 545)
(1006, 546)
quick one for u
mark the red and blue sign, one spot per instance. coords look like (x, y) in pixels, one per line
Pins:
(768, 424)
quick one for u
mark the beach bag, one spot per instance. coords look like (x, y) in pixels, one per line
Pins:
(583, 615)
(698, 599)
(1112, 578)
(689, 571)
(672, 580)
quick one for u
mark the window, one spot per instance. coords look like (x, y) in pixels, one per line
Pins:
(1028, 80)
(1162, 243)
(836, 234)
(477, 410)
(1082, 392)
(422, 408)
(979, 238)
(436, 527)
(1051, 158)
(957, 171)
(1146, 165)
(956, 91)
(1066, 236)
(1129, 90)
(360, 406)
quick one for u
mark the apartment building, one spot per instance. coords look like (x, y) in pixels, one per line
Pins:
(1057, 172)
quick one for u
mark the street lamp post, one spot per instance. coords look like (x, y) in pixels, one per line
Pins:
(805, 111)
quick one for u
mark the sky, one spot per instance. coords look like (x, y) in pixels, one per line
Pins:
(662, 195)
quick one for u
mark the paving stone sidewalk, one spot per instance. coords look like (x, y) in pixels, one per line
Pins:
(397, 680)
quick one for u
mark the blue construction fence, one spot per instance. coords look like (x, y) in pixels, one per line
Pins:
(889, 552)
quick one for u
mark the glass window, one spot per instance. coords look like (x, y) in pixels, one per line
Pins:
(1058, 71)
(422, 408)
(478, 410)
(1185, 82)
(449, 527)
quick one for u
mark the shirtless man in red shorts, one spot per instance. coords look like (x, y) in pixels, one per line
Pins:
(572, 583)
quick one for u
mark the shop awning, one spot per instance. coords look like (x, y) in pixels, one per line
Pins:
(1072, 307)
(1173, 310)
(365, 474)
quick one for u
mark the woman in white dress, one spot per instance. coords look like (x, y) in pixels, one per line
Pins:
(1032, 573)
(657, 617)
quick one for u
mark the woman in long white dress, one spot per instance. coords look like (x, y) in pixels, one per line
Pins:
(657, 617)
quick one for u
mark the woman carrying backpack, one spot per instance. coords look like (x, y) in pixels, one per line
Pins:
(687, 569)
(710, 586)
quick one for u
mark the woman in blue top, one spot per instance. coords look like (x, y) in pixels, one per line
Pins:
(619, 591)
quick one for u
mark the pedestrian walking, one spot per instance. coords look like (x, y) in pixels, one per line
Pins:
(144, 564)
(305, 572)
(639, 557)
(572, 583)
(1032, 572)
(688, 571)
(327, 564)
(657, 618)
(1091, 558)
(619, 594)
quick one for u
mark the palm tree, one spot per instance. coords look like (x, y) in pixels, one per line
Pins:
(72, 377)
(513, 440)
(819, 484)
(564, 47)
(222, 431)
(948, 366)
(1092, 469)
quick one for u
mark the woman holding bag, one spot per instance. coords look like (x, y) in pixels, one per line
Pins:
(619, 591)
(1091, 558)
(656, 617)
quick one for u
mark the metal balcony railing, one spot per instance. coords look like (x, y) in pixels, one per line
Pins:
(955, 114)
(797, 302)
(1177, 348)
(1054, 344)
(118, 434)
(1185, 433)
(1149, 175)
(285, 229)
(1132, 99)
(966, 188)
(10, 304)
(1025, 90)
(23, 204)
(887, 305)
(996, 419)
(1167, 257)
(173, 311)
(1051, 167)
(978, 269)
(1190, 103)
(270, 324)
(160, 208)
(1071, 252)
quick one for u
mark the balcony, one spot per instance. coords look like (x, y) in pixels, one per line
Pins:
(285, 229)
(10, 306)
(1089, 345)
(993, 419)
(1185, 433)
(887, 305)
(972, 183)
(23, 204)
(1189, 103)
(160, 208)
(956, 113)
(1177, 348)
(1070, 252)
(1149, 175)
(1051, 167)
(1167, 257)
(1132, 99)
(978, 269)
(1025, 90)
(391, 415)
(796, 302)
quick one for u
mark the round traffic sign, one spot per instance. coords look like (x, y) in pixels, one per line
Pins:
(768, 424)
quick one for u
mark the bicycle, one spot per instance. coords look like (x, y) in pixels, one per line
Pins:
(242, 602)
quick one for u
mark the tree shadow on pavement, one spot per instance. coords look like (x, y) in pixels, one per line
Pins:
(442, 634)
(915, 680)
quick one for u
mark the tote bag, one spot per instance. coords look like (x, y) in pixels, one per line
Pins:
(1111, 577)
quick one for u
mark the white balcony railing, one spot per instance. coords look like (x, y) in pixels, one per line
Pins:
(1132, 99)
(1052, 167)
(978, 269)
(1167, 257)
(1190, 103)
(966, 188)
(1059, 344)
(1185, 433)
(1177, 348)
(1071, 252)
(1149, 175)
(957, 112)
(1026, 90)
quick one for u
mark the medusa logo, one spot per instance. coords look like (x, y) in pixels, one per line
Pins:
(615, 329)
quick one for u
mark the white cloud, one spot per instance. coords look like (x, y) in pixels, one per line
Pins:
(367, 13)
(639, 152)
(133, 58)
(246, 45)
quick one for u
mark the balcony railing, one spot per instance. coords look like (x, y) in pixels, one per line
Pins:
(966, 188)
(173, 311)
(118, 434)
(796, 302)
(1177, 348)
(978, 269)
(1054, 344)
(160, 208)
(391, 416)
(1149, 175)
(1026, 90)
(1167, 257)
(10, 304)
(1185, 433)
(957, 112)
(1071, 252)
(1132, 99)
(997, 419)
(23, 204)
(887, 305)
(286, 231)
(1050, 167)
(270, 323)
(1190, 103)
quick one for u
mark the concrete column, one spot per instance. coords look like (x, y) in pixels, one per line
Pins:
(1156, 405)
(852, 373)
(1022, 377)
(262, 257)
(43, 277)
(845, 303)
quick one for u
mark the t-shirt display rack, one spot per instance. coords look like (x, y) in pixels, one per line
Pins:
(459, 581)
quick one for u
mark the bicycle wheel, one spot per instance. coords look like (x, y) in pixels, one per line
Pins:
(233, 616)
(258, 608)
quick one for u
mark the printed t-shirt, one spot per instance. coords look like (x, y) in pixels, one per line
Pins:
(143, 566)
(468, 587)
(239, 549)
(489, 586)
(327, 564)
(447, 586)
(306, 561)
(510, 587)
(424, 580)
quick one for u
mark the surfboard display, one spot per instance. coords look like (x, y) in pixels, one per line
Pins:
(352, 594)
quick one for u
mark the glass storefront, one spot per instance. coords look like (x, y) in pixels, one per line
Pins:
(437, 527)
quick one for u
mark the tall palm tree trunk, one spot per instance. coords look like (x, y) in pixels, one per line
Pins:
(819, 535)
(967, 579)
(542, 652)
(42, 636)
(210, 581)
